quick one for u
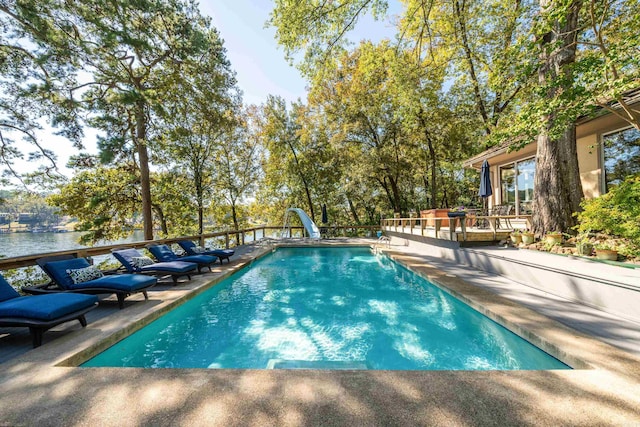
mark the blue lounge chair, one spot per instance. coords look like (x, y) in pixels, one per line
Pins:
(192, 249)
(163, 253)
(42, 312)
(135, 262)
(62, 269)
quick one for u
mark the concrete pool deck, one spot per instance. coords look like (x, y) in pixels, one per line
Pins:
(41, 388)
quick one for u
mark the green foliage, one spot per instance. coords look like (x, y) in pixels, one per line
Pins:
(317, 28)
(17, 202)
(26, 276)
(103, 200)
(106, 203)
(36, 72)
(615, 213)
(199, 118)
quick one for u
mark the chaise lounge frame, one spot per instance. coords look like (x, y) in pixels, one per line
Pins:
(39, 327)
(53, 287)
(157, 271)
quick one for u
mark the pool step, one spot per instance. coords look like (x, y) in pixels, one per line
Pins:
(316, 364)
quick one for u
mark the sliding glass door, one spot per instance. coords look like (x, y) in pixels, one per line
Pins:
(516, 185)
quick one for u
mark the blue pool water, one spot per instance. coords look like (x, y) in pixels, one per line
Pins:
(325, 308)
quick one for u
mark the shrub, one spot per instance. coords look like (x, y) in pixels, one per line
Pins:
(616, 213)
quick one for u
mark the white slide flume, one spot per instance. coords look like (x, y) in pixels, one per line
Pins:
(309, 225)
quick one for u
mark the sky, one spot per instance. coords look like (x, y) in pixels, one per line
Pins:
(254, 54)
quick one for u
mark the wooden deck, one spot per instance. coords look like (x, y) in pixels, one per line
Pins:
(462, 230)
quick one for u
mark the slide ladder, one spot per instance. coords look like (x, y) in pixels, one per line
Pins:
(309, 225)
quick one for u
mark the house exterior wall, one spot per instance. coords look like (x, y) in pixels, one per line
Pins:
(590, 155)
(588, 163)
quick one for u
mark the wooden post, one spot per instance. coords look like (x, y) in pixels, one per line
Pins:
(438, 224)
(453, 223)
(226, 238)
(463, 225)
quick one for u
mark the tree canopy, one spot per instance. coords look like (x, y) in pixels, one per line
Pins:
(385, 128)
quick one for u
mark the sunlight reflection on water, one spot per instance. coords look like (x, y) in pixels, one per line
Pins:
(350, 310)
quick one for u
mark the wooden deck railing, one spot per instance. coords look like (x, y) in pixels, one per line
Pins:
(255, 234)
(493, 221)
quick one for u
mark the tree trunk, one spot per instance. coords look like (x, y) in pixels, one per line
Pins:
(200, 202)
(309, 202)
(354, 213)
(234, 216)
(143, 160)
(434, 175)
(162, 219)
(431, 162)
(558, 190)
(397, 198)
(462, 28)
(385, 187)
(304, 181)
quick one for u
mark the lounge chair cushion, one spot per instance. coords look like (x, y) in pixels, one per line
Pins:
(170, 267)
(141, 261)
(117, 282)
(200, 259)
(125, 256)
(120, 282)
(46, 307)
(192, 249)
(58, 270)
(164, 254)
(85, 274)
(6, 290)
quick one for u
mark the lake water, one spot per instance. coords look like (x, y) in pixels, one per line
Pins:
(18, 244)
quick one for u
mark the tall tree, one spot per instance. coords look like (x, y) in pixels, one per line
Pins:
(282, 133)
(360, 98)
(557, 179)
(238, 167)
(123, 45)
(197, 115)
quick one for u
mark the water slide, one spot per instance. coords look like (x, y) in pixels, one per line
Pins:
(309, 225)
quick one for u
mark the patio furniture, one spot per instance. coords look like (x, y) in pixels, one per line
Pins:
(192, 249)
(500, 211)
(135, 262)
(77, 275)
(163, 253)
(42, 312)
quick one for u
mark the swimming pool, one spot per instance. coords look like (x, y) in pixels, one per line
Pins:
(334, 308)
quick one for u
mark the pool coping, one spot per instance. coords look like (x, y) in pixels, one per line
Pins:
(37, 389)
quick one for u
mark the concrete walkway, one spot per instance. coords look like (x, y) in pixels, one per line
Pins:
(45, 387)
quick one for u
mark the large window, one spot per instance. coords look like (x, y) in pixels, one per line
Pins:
(508, 184)
(621, 156)
(516, 184)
